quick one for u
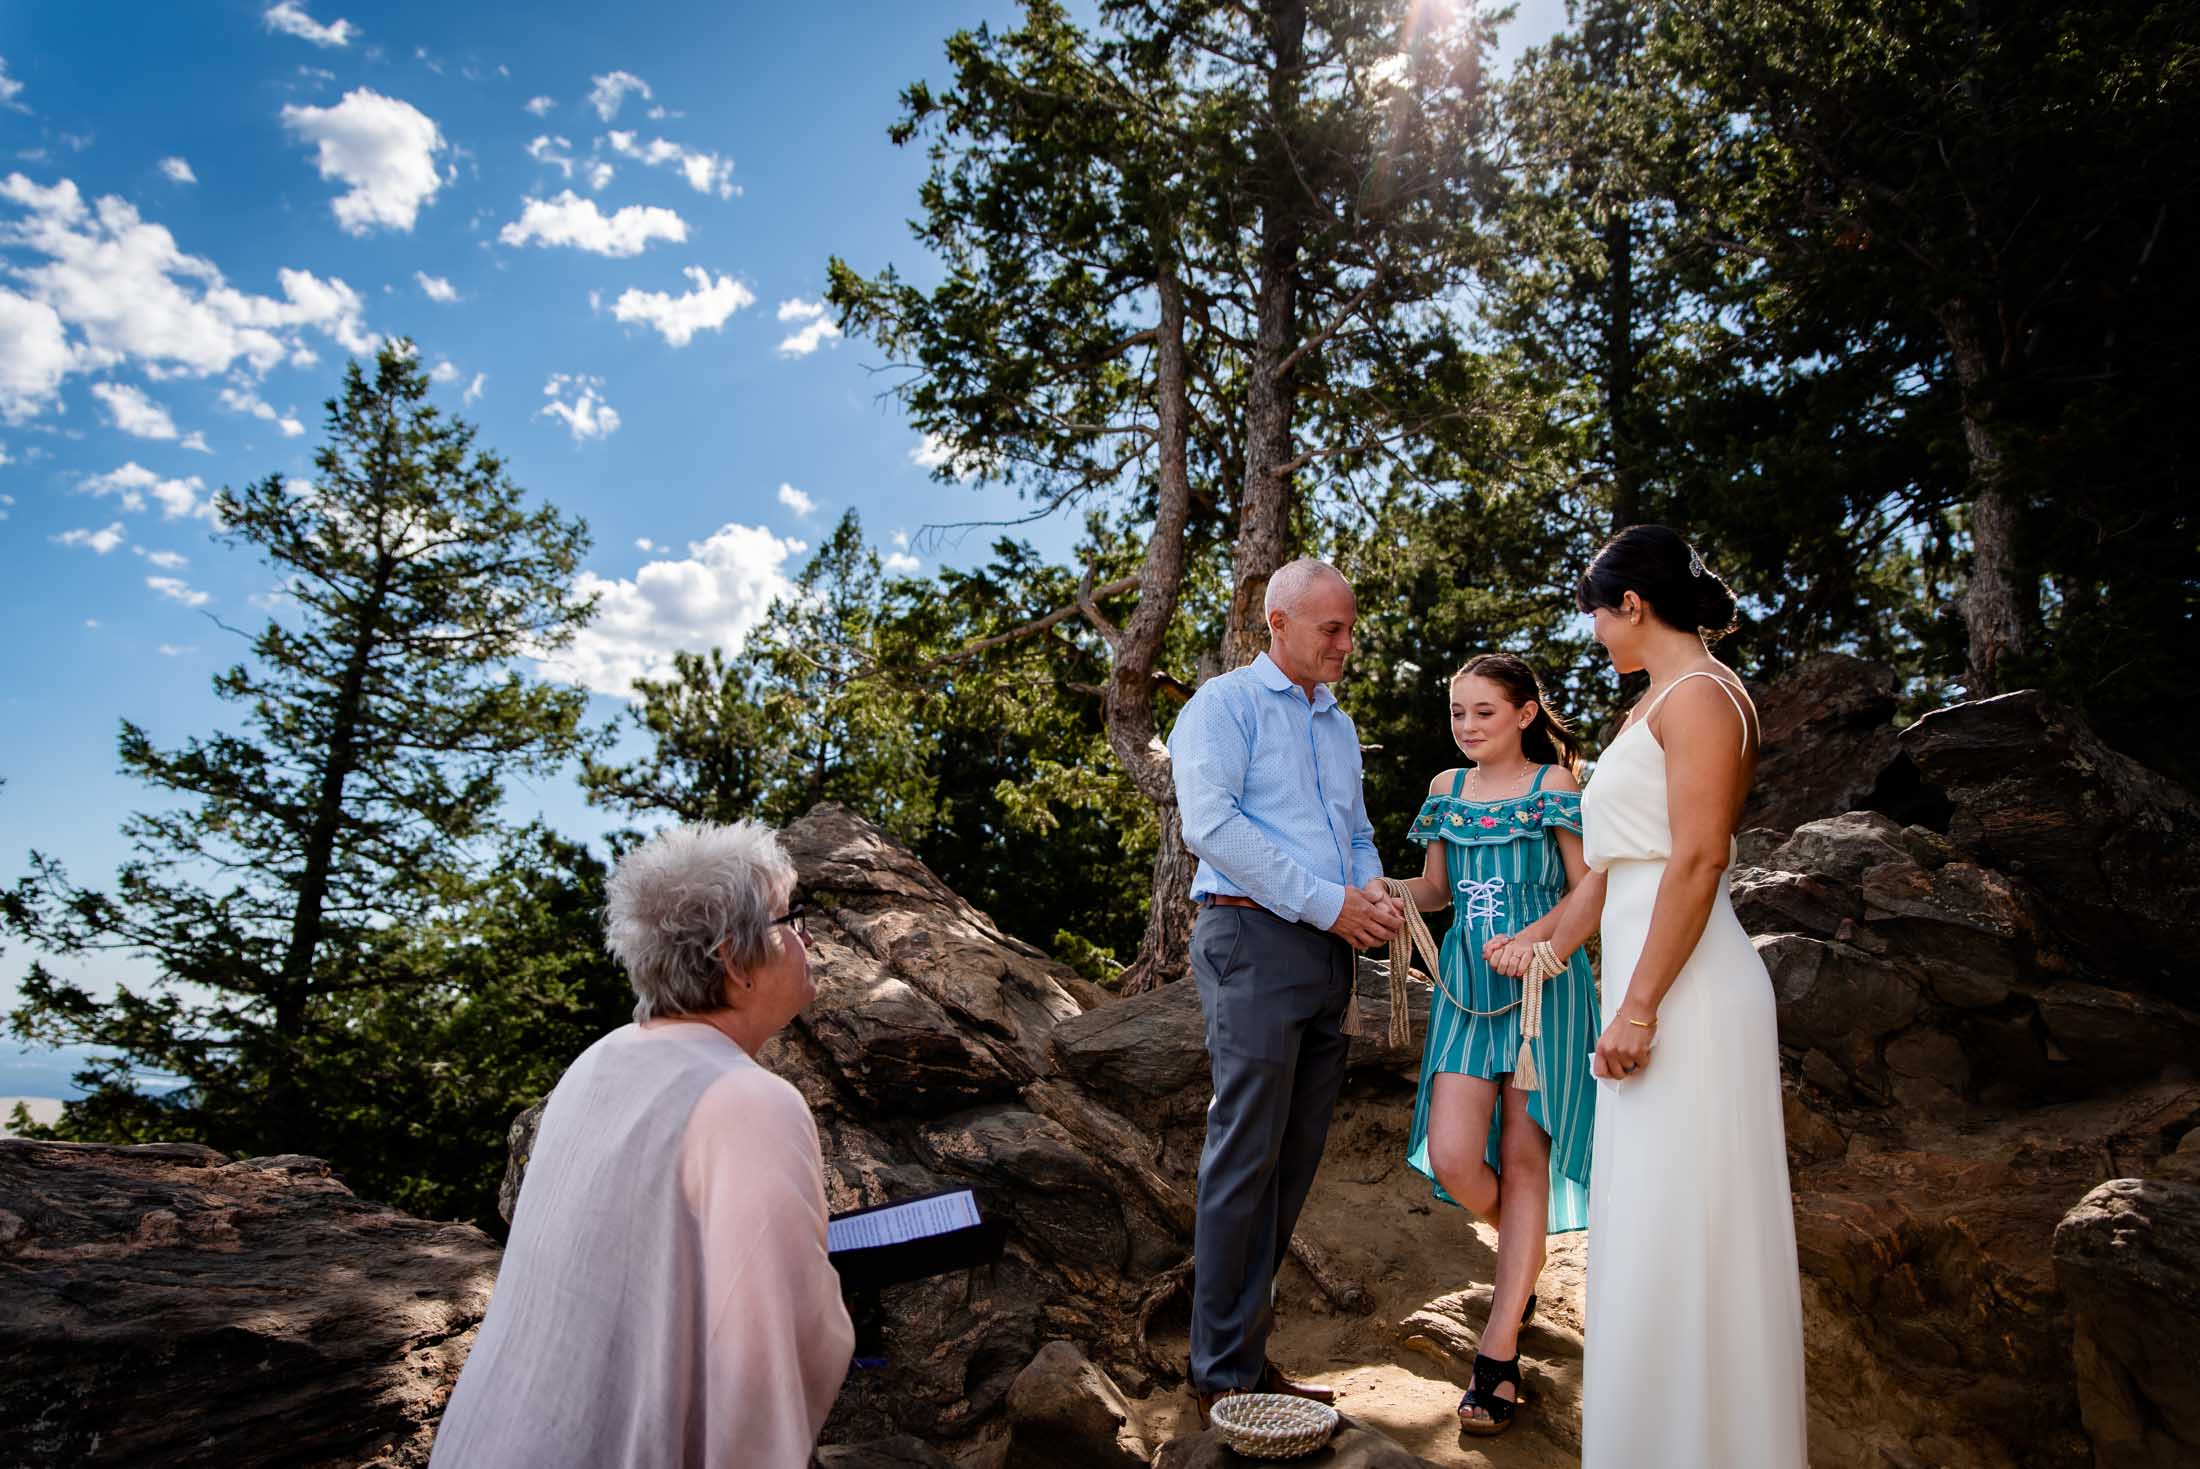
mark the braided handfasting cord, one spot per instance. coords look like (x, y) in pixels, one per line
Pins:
(1543, 964)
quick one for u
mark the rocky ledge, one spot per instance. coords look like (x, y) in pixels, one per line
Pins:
(162, 1304)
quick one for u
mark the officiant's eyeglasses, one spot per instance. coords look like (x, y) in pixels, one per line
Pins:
(797, 914)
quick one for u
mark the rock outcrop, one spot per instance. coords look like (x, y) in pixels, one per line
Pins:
(1976, 1030)
(1828, 732)
(1986, 1010)
(2128, 1258)
(2113, 846)
(164, 1305)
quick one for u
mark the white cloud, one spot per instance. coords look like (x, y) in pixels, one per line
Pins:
(706, 173)
(443, 372)
(180, 590)
(932, 452)
(34, 356)
(818, 330)
(7, 502)
(196, 442)
(571, 220)
(553, 150)
(383, 147)
(91, 622)
(290, 18)
(100, 542)
(116, 289)
(540, 106)
(795, 500)
(131, 411)
(644, 543)
(179, 498)
(599, 173)
(612, 90)
(10, 90)
(165, 560)
(901, 563)
(437, 288)
(713, 598)
(473, 389)
(901, 539)
(587, 415)
(177, 650)
(679, 318)
(178, 171)
(243, 400)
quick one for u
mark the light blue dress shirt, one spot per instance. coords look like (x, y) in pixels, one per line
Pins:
(1269, 788)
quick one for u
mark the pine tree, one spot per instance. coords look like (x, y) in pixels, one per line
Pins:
(287, 869)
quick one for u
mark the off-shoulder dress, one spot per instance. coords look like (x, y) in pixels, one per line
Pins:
(1506, 871)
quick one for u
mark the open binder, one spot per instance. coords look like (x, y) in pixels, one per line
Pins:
(909, 1239)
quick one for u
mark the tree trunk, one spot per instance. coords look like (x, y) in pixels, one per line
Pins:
(294, 982)
(1621, 408)
(2000, 606)
(1162, 953)
(1264, 498)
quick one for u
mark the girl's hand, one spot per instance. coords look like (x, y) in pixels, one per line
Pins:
(1624, 1049)
(1513, 959)
(1492, 944)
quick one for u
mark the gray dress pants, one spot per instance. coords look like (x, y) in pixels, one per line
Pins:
(1274, 994)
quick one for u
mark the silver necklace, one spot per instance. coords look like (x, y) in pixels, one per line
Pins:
(1474, 785)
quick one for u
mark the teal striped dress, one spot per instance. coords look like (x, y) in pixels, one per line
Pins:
(1505, 869)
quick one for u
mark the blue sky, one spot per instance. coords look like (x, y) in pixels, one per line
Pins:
(605, 225)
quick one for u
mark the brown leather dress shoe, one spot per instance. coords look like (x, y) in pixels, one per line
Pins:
(1273, 1380)
(1205, 1403)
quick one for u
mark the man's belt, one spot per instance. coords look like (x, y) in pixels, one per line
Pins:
(1231, 900)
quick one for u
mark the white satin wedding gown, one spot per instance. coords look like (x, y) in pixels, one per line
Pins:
(1695, 1330)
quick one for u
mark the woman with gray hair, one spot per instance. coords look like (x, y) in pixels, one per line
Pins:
(666, 1298)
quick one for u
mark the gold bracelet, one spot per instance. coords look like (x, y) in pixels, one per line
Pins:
(1645, 1024)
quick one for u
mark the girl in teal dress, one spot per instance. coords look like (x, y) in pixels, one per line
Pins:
(1504, 846)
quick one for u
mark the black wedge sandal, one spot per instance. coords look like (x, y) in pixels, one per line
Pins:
(1490, 1375)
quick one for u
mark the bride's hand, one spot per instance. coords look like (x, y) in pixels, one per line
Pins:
(1491, 946)
(1624, 1048)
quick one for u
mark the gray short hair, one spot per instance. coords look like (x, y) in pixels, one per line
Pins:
(1293, 580)
(681, 901)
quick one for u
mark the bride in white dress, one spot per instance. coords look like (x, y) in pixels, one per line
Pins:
(1694, 1316)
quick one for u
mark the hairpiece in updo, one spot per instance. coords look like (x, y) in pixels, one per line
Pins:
(1658, 564)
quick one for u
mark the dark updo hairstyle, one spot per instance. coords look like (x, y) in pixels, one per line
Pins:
(1547, 741)
(1654, 563)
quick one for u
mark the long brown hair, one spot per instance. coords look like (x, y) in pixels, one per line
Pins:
(1548, 740)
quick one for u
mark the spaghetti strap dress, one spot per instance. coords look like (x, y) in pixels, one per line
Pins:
(1505, 871)
(1695, 1317)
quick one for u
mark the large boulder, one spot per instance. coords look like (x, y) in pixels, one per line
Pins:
(2128, 1257)
(1147, 1053)
(1065, 1413)
(163, 1305)
(1908, 971)
(2113, 845)
(1828, 732)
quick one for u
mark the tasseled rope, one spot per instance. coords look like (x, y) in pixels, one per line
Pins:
(1413, 937)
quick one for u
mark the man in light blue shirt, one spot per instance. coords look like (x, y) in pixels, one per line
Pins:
(1267, 771)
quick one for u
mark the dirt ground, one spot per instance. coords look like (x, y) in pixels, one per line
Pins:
(1375, 1219)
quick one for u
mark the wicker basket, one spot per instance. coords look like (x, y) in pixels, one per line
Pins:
(1267, 1425)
